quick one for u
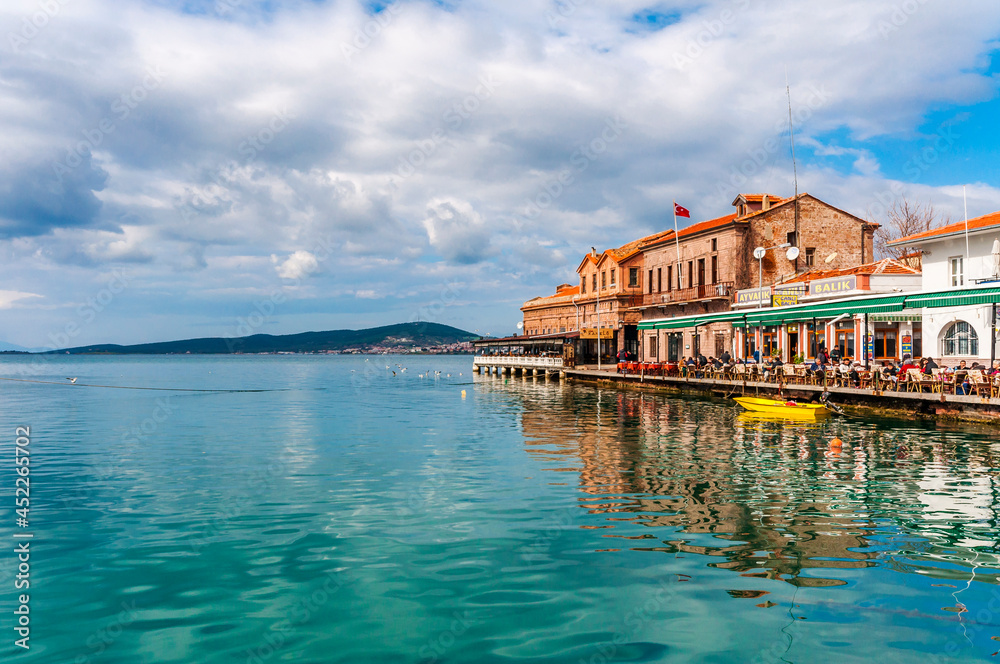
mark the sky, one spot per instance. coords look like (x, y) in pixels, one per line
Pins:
(188, 168)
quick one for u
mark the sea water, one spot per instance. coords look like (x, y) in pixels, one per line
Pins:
(340, 509)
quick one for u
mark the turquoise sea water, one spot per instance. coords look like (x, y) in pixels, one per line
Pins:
(349, 515)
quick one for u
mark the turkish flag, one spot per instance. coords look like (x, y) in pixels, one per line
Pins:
(681, 211)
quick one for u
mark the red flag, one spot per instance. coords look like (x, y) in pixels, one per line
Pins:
(681, 211)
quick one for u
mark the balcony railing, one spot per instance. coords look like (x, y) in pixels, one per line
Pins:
(721, 291)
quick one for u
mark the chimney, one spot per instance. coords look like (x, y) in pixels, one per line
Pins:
(765, 203)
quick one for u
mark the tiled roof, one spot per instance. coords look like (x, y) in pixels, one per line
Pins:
(562, 296)
(884, 266)
(693, 229)
(985, 221)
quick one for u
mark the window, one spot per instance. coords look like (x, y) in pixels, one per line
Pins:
(715, 244)
(659, 278)
(595, 282)
(715, 269)
(650, 282)
(604, 280)
(810, 256)
(957, 272)
(790, 238)
(633, 277)
(670, 278)
(612, 276)
(583, 285)
(652, 348)
(690, 274)
(961, 339)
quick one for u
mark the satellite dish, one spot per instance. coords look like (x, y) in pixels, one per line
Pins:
(520, 325)
(759, 252)
(792, 253)
(830, 258)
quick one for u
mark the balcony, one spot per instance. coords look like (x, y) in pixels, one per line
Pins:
(721, 291)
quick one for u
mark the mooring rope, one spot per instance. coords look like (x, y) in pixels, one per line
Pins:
(127, 387)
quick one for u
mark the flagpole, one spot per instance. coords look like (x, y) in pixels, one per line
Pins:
(965, 202)
(677, 240)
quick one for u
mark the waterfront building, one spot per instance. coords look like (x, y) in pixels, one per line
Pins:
(709, 266)
(603, 304)
(888, 335)
(698, 270)
(960, 256)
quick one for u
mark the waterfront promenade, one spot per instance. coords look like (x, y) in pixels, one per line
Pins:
(937, 405)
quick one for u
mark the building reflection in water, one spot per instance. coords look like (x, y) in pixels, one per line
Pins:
(768, 498)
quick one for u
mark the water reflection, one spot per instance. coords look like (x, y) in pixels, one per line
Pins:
(768, 498)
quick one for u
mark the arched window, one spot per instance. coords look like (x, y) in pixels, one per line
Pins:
(961, 339)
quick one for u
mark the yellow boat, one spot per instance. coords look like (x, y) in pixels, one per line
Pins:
(787, 409)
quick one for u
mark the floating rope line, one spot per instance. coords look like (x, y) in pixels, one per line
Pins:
(127, 387)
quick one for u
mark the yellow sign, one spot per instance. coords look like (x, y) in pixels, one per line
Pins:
(591, 333)
(834, 285)
(753, 295)
(785, 298)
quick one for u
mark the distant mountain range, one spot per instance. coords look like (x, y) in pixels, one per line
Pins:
(400, 336)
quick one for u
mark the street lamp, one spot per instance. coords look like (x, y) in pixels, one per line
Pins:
(759, 252)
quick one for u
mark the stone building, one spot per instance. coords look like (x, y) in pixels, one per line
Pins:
(710, 264)
(700, 269)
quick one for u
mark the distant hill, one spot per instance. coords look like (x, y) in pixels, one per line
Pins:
(400, 336)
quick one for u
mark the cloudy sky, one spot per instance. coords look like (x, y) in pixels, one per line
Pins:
(171, 167)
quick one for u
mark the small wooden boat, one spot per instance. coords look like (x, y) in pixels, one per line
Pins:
(787, 409)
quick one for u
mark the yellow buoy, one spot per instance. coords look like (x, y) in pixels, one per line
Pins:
(463, 394)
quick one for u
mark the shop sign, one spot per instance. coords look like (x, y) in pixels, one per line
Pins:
(833, 286)
(785, 298)
(754, 296)
(591, 333)
(906, 345)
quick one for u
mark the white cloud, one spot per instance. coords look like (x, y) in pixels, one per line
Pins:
(258, 137)
(298, 265)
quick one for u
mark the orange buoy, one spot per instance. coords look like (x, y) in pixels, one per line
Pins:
(836, 442)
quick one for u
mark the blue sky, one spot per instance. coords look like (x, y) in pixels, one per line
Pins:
(177, 168)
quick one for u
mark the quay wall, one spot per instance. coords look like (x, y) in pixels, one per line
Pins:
(860, 402)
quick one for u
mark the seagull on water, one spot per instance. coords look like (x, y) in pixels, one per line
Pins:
(72, 380)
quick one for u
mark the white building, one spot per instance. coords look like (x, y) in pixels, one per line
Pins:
(959, 257)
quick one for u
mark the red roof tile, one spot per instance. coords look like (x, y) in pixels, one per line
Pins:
(985, 221)
(884, 266)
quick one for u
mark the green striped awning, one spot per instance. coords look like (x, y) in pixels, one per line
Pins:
(957, 298)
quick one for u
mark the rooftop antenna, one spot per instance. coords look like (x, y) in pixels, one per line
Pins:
(795, 173)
